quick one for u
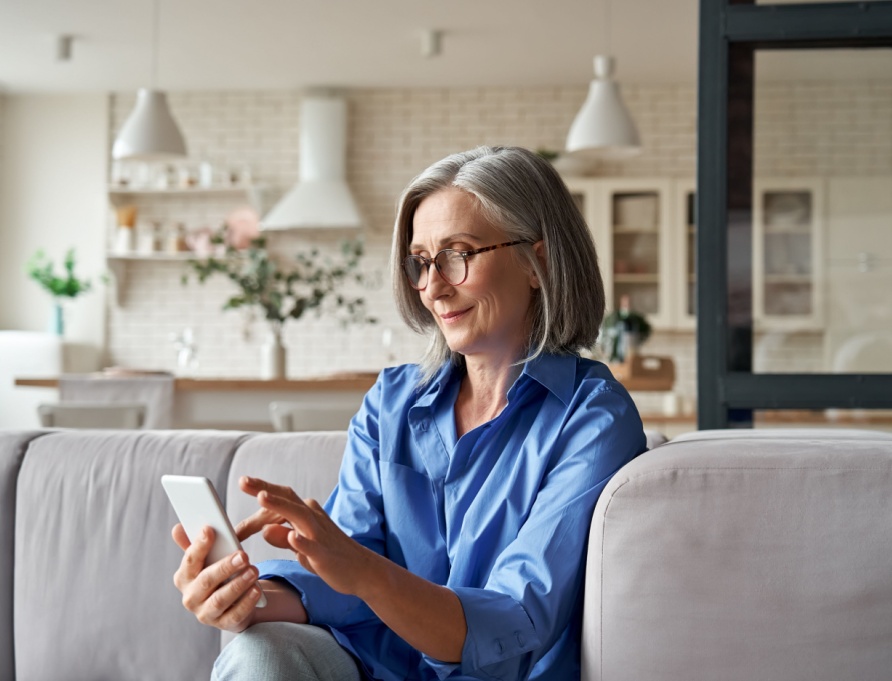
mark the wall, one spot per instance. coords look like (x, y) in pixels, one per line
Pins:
(53, 152)
(394, 134)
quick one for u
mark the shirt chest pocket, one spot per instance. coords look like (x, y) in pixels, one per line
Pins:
(413, 524)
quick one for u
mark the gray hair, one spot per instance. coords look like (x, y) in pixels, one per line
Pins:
(522, 194)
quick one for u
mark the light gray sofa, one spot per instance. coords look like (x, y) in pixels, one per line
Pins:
(722, 555)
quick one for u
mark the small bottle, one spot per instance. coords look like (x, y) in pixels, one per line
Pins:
(206, 174)
(171, 239)
(145, 238)
(182, 242)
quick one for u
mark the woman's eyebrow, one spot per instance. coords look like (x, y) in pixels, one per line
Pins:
(452, 238)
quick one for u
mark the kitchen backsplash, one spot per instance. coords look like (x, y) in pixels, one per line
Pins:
(395, 133)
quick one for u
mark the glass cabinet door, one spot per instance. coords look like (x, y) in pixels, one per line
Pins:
(788, 253)
(632, 223)
(637, 218)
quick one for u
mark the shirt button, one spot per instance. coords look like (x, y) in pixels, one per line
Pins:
(423, 426)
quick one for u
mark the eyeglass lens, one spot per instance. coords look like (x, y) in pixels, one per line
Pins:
(451, 265)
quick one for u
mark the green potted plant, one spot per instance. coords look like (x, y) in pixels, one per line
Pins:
(65, 287)
(284, 291)
(624, 330)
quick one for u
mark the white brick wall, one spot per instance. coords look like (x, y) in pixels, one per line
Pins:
(394, 134)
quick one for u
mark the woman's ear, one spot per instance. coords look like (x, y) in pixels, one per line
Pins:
(539, 250)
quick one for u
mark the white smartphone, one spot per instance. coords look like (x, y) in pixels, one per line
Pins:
(197, 505)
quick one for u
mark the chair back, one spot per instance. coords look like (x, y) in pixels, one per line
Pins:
(88, 415)
(290, 417)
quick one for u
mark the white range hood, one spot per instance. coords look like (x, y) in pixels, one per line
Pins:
(321, 198)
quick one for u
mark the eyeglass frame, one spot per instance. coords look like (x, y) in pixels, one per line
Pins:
(427, 262)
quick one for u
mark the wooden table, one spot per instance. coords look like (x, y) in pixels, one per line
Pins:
(243, 403)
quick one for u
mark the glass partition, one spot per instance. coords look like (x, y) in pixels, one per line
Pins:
(822, 212)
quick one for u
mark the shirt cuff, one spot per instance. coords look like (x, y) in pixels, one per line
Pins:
(323, 604)
(499, 630)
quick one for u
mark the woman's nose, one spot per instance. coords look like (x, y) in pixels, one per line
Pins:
(437, 286)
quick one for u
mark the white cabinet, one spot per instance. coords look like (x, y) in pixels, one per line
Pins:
(632, 223)
(788, 254)
(645, 232)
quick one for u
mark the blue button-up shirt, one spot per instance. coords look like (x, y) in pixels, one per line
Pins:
(500, 515)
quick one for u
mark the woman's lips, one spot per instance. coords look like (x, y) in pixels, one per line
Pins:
(453, 317)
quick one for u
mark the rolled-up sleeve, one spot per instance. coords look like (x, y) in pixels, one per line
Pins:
(534, 588)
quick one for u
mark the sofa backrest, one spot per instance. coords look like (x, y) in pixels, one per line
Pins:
(744, 555)
(94, 560)
(86, 557)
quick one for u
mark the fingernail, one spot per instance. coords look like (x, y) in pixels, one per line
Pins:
(238, 560)
(255, 592)
(205, 533)
(248, 575)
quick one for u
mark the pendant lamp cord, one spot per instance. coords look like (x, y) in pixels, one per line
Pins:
(156, 21)
(607, 28)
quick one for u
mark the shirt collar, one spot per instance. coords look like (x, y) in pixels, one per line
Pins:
(556, 373)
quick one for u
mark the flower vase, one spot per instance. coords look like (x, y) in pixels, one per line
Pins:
(57, 318)
(272, 354)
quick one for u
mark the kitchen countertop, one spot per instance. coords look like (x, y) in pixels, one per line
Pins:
(340, 381)
(345, 381)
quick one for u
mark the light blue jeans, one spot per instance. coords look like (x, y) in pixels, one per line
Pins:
(280, 651)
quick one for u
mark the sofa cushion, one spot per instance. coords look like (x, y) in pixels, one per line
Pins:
(94, 594)
(12, 451)
(735, 557)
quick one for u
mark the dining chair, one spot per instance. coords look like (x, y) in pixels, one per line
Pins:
(300, 416)
(90, 415)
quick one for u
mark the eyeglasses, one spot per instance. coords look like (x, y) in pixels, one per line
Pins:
(451, 264)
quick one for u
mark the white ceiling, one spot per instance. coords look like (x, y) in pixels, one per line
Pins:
(260, 44)
(292, 44)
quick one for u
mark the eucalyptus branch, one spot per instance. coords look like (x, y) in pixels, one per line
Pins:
(311, 282)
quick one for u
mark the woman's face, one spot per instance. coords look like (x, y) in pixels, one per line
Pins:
(486, 315)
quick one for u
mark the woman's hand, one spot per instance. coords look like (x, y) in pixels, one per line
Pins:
(427, 616)
(206, 593)
(289, 522)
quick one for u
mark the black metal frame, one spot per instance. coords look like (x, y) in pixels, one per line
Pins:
(730, 32)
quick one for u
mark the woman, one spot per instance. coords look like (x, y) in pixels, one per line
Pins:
(454, 542)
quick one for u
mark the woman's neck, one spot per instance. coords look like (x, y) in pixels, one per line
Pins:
(483, 393)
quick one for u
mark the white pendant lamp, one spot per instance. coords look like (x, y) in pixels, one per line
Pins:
(150, 133)
(604, 128)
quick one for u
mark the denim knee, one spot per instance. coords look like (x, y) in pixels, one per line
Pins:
(280, 651)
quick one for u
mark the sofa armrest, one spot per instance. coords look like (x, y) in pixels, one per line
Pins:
(729, 556)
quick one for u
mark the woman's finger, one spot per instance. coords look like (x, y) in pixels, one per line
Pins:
(255, 522)
(206, 586)
(254, 486)
(179, 536)
(194, 557)
(295, 511)
(277, 535)
(222, 598)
